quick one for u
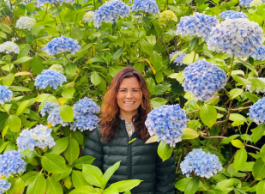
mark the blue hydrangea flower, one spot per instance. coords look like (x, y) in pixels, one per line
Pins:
(4, 186)
(238, 36)
(11, 162)
(49, 77)
(85, 122)
(41, 2)
(60, 45)
(54, 118)
(259, 54)
(246, 3)
(5, 94)
(85, 105)
(167, 122)
(231, 14)
(149, 6)
(203, 79)
(179, 59)
(110, 12)
(196, 25)
(201, 163)
(48, 108)
(257, 112)
(40, 137)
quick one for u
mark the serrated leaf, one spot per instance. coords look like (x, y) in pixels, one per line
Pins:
(53, 187)
(38, 185)
(208, 115)
(53, 163)
(110, 171)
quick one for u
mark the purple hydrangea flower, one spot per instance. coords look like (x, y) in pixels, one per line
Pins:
(203, 79)
(11, 162)
(85, 122)
(179, 59)
(149, 6)
(167, 122)
(231, 14)
(4, 186)
(5, 94)
(197, 24)
(257, 112)
(259, 53)
(201, 163)
(50, 78)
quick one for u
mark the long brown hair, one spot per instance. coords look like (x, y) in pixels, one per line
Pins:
(110, 112)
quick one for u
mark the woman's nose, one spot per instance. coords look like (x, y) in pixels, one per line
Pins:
(129, 94)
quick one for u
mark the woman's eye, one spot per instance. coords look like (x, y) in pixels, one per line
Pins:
(135, 90)
(122, 90)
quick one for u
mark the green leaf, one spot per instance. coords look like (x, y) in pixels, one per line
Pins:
(29, 177)
(114, 70)
(37, 64)
(22, 107)
(156, 61)
(78, 179)
(83, 160)
(159, 77)
(189, 134)
(94, 176)
(38, 185)
(53, 163)
(17, 187)
(240, 159)
(258, 170)
(248, 166)
(19, 89)
(14, 123)
(262, 153)
(53, 187)
(30, 7)
(260, 187)
(208, 115)
(192, 185)
(177, 54)
(8, 80)
(157, 102)
(193, 44)
(254, 98)
(146, 47)
(182, 183)
(72, 151)
(5, 28)
(164, 151)
(60, 146)
(45, 98)
(110, 171)
(68, 93)
(190, 58)
(23, 52)
(236, 116)
(67, 113)
(257, 83)
(241, 80)
(127, 184)
(117, 54)
(70, 68)
(77, 33)
(247, 65)
(258, 132)
(95, 78)
(161, 89)
(84, 190)
(22, 60)
(237, 143)
(235, 92)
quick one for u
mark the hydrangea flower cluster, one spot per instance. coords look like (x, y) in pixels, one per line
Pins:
(41, 2)
(238, 36)
(84, 110)
(245, 3)
(149, 6)
(167, 122)
(9, 47)
(4, 186)
(62, 44)
(201, 163)
(167, 16)
(48, 108)
(231, 14)
(203, 79)
(179, 59)
(54, 118)
(11, 162)
(89, 17)
(251, 89)
(257, 112)
(255, 3)
(110, 11)
(196, 25)
(259, 53)
(57, 67)
(25, 22)
(50, 78)
(5, 94)
(40, 137)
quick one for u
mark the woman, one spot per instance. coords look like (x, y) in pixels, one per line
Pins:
(122, 134)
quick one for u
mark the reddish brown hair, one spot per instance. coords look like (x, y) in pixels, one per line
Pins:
(110, 112)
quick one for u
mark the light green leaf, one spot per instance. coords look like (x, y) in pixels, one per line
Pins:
(157, 102)
(60, 146)
(258, 170)
(22, 107)
(240, 159)
(8, 80)
(189, 134)
(68, 93)
(237, 143)
(78, 179)
(19, 89)
(208, 115)
(262, 153)
(53, 187)
(22, 60)
(5, 28)
(94, 176)
(260, 187)
(241, 80)
(192, 185)
(235, 92)
(258, 132)
(38, 185)
(84, 190)
(17, 187)
(164, 151)
(127, 184)
(254, 98)
(72, 151)
(247, 65)
(156, 61)
(110, 171)
(67, 113)
(53, 163)
(83, 160)
(182, 183)
(236, 116)
(14, 123)
(95, 78)
(117, 54)
(257, 83)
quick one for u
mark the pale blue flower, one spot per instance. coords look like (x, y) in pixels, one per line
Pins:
(197, 24)
(110, 12)
(201, 163)
(246, 3)
(11, 162)
(179, 59)
(48, 108)
(259, 54)
(85, 105)
(5, 94)
(231, 14)
(49, 77)
(203, 79)
(4, 186)
(41, 2)
(54, 118)
(149, 6)
(167, 122)
(85, 122)
(238, 36)
(257, 112)
(39, 137)
(60, 45)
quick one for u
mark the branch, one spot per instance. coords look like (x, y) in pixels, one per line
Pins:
(242, 108)
(213, 137)
(193, 111)
(250, 146)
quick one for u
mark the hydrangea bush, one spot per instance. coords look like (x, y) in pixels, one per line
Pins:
(58, 58)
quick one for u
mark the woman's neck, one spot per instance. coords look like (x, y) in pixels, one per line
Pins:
(127, 117)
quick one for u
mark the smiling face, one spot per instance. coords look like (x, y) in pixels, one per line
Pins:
(129, 97)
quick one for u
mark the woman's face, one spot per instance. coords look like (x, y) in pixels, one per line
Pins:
(129, 96)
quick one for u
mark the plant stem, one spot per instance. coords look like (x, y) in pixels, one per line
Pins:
(60, 18)
(250, 146)
(231, 66)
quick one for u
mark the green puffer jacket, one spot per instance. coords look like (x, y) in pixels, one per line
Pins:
(138, 161)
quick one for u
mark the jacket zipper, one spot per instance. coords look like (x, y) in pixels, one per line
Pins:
(130, 159)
